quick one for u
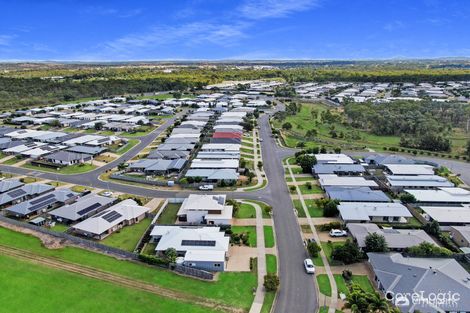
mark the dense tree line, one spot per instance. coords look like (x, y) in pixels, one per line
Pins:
(422, 125)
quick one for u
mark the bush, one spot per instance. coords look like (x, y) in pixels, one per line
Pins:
(330, 226)
(152, 260)
(375, 243)
(271, 282)
(407, 198)
(330, 209)
(313, 249)
(426, 249)
(308, 185)
(348, 253)
(347, 275)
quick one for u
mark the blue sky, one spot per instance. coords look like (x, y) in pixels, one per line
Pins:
(87, 30)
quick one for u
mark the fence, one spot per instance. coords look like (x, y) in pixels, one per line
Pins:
(88, 244)
(120, 176)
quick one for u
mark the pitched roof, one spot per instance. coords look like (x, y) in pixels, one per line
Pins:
(42, 202)
(24, 191)
(356, 194)
(83, 206)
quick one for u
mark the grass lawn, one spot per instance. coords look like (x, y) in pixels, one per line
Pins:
(313, 210)
(67, 170)
(80, 189)
(69, 292)
(58, 227)
(247, 150)
(298, 206)
(221, 290)
(318, 261)
(324, 284)
(128, 237)
(328, 249)
(56, 183)
(128, 146)
(149, 248)
(250, 230)
(271, 263)
(306, 229)
(248, 144)
(141, 131)
(314, 189)
(268, 302)
(168, 216)
(12, 161)
(29, 180)
(296, 169)
(263, 206)
(361, 280)
(246, 211)
(269, 241)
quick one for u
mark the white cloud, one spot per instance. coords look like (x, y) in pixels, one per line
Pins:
(190, 34)
(260, 9)
(5, 40)
(394, 25)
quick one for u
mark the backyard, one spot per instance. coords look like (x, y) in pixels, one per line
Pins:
(128, 237)
(168, 216)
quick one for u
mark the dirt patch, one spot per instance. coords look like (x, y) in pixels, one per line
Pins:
(48, 241)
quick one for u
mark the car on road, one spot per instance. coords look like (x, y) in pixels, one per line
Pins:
(309, 267)
(338, 233)
(206, 187)
(261, 139)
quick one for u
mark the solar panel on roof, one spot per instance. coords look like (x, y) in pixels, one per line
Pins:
(198, 243)
(38, 200)
(16, 193)
(88, 209)
(70, 195)
(111, 216)
(41, 205)
(101, 213)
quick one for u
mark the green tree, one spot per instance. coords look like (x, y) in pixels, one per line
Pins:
(330, 209)
(427, 249)
(313, 249)
(287, 126)
(306, 162)
(407, 198)
(271, 282)
(171, 255)
(348, 253)
(375, 242)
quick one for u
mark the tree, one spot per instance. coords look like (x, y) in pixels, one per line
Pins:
(347, 253)
(287, 126)
(330, 208)
(171, 255)
(260, 165)
(407, 198)
(311, 133)
(375, 243)
(271, 282)
(306, 162)
(313, 249)
(99, 125)
(427, 249)
(433, 228)
(377, 304)
(55, 123)
(235, 204)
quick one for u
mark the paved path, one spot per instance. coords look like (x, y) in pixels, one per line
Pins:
(260, 292)
(256, 158)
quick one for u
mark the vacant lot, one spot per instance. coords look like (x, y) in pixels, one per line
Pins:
(29, 287)
(222, 290)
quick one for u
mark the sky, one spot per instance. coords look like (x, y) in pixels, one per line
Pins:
(94, 30)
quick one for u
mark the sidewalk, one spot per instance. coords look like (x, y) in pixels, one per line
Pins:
(256, 158)
(332, 301)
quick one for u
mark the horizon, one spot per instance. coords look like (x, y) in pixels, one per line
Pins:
(216, 30)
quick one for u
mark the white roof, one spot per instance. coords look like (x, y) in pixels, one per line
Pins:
(124, 211)
(214, 164)
(82, 139)
(204, 256)
(362, 211)
(333, 158)
(418, 181)
(345, 181)
(410, 169)
(221, 147)
(173, 236)
(196, 202)
(454, 214)
(446, 195)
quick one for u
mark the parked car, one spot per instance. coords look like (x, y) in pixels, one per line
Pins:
(107, 194)
(309, 268)
(308, 240)
(206, 187)
(338, 233)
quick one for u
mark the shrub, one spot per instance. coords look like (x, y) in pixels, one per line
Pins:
(313, 249)
(347, 275)
(330, 226)
(375, 243)
(271, 282)
(348, 253)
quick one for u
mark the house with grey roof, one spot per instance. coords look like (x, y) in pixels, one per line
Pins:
(397, 239)
(355, 194)
(460, 235)
(201, 247)
(398, 183)
(380, 160)
(83, 208)
(214, 175)
(414, 284)
(338, 169)
(168, 154)
(377, 212)
(41, 203)
(158, 166)
(447, 215)
(108, 221)
(22, 193)
(441, 196)
(94, 151)
(206, 209)
(9, 184)
(65, 158)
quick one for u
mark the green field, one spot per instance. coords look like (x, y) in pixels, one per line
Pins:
(128, 237)
(246, 211)
(28, 287)
(324, 284)
(168, 216)
(131, 143)
(250, 230)
(269, 241)
(222, 290)
(67, 170)
(361, 280)
(271, 263)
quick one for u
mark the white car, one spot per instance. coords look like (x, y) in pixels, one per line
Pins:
(107, 194)
(206, 187)
(338, 233)
(309, 268)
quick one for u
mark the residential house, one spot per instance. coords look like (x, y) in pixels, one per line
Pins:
(205, 209)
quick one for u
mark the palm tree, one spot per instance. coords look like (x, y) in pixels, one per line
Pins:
(377, 304)
(356, 302)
